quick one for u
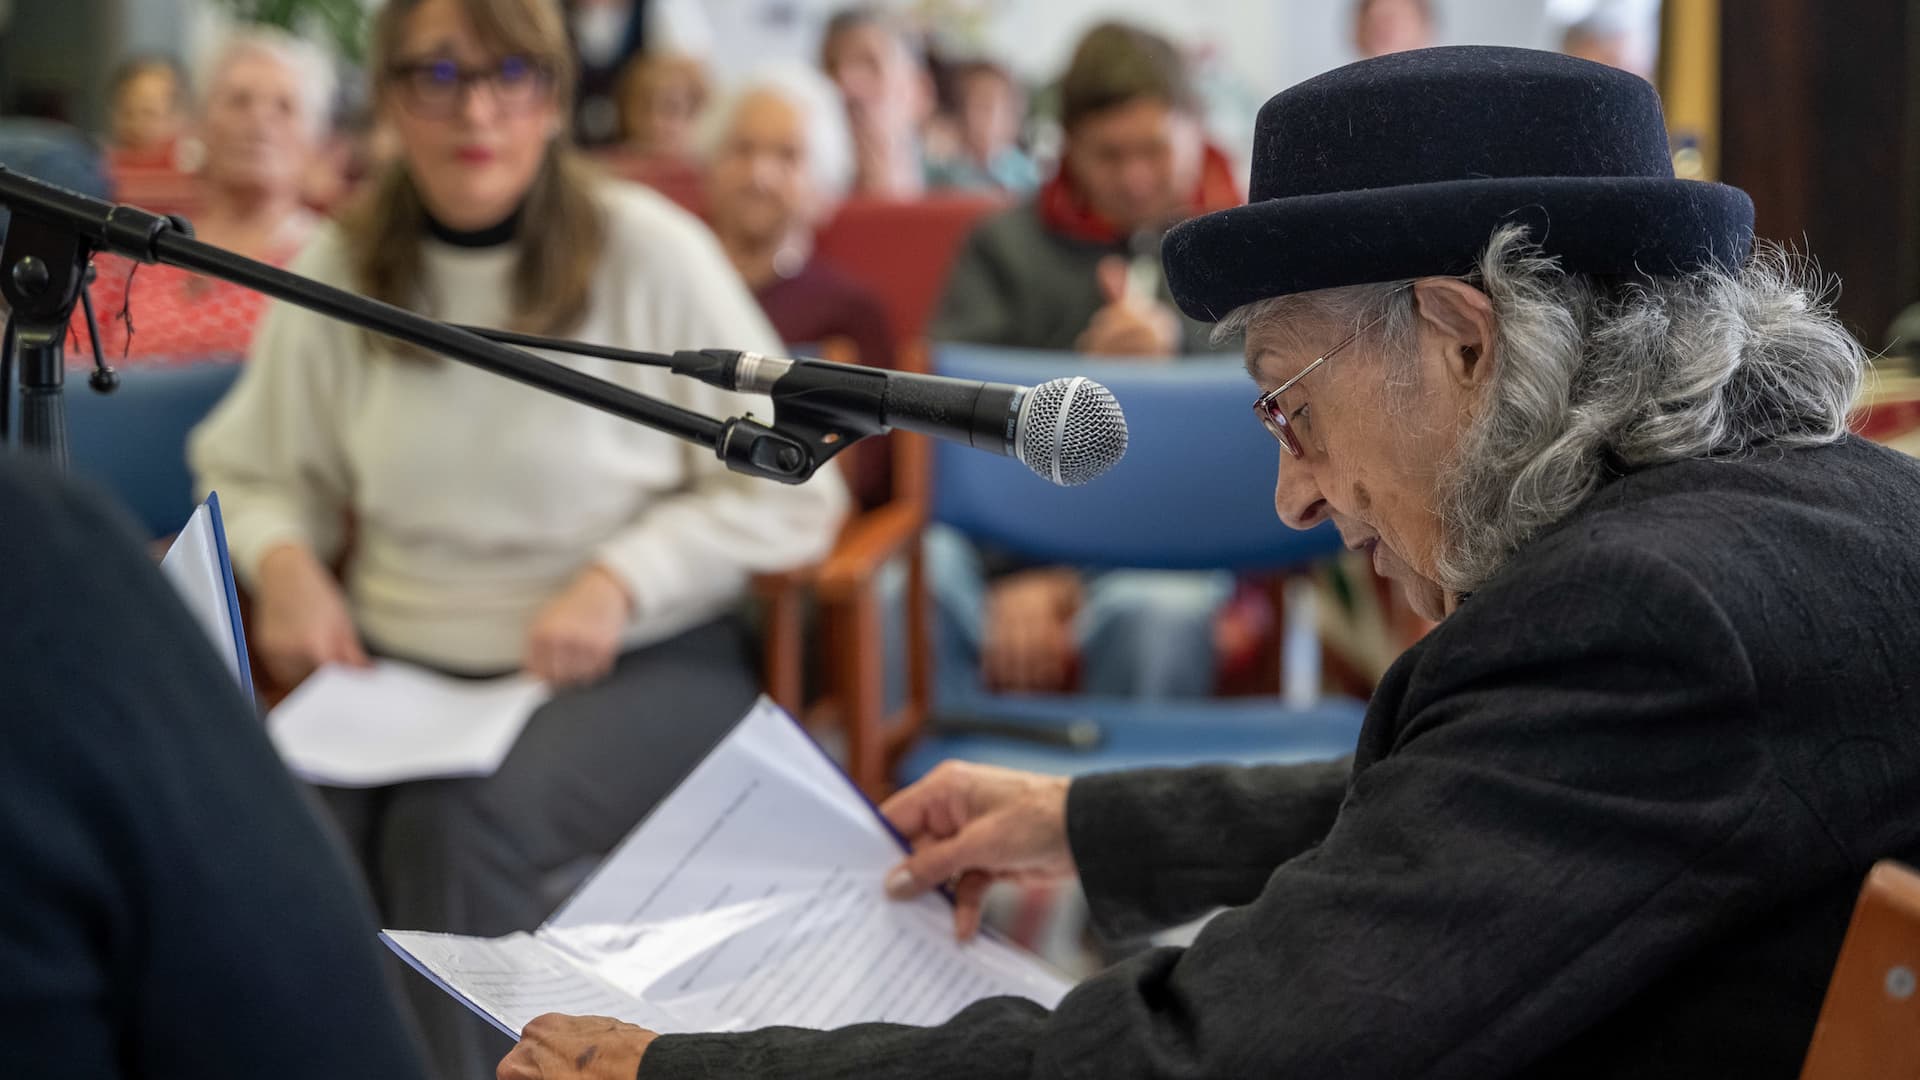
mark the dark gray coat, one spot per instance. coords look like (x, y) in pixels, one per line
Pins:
(1606, 820)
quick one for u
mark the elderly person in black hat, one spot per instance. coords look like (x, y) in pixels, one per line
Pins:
(1607, 819)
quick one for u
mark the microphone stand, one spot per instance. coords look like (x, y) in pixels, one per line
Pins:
(55, 232)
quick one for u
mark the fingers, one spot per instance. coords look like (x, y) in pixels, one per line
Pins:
(561, 659)
(345, 647)
(907, 809)
(969, 899)
(937, 806)
(288, 667)
(1039, 650)
(937, 863)
(353, 654)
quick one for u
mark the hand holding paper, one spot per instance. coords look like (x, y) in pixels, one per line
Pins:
(560, 1047)
(750, 897)
(973, 825)
(301, 616)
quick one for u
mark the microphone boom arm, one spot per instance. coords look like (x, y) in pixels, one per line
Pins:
(55, 216)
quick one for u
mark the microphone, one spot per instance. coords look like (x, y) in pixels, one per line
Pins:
(1068, 431)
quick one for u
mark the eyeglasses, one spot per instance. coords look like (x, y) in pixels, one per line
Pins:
(1274, 415)
(435, 88)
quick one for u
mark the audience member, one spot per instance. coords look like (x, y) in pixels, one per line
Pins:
(882, 75)
(986, 109)
(1610, 817)
(1390, 26)
(149, 96)
(494, 527)
(661, 99)
(778, 159)
(1608, 37)
(607, 37)
(170, 906)
(1077, 268)
(261, 118)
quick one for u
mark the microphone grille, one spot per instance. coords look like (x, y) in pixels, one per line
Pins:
(1070, 431)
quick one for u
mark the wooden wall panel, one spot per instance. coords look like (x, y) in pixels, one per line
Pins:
(1817, 124)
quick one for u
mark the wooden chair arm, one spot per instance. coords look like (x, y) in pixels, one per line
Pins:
(866, 546)
(776, 585)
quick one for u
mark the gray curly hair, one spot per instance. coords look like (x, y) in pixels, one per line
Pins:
(1597, 377)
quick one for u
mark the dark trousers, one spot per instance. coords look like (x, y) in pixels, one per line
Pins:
(492, 855)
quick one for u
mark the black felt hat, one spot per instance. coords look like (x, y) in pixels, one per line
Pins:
(1403, 166)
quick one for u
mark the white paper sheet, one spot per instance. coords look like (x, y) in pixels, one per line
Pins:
(752, 896)
(197, 568)
(511, 980)
(365, 727)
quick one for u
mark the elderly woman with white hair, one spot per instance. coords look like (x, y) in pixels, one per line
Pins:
(779, 160)
(1609, 817)
(260, 116)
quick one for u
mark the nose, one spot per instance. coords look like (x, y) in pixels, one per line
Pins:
(1296, 494)
(476, 104)
(1141, 179)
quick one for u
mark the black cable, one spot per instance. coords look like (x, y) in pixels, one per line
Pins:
(577, 348)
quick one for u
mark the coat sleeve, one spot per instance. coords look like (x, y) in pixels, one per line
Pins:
(1152, 852)
(1558, 816)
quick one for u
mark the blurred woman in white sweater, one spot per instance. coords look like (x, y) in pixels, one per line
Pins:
(494, 527)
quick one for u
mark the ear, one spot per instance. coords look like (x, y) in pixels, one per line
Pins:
(1459, 319)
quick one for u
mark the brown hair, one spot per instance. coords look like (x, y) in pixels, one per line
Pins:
(860, 17)
(645, 75)
(137, 65)
(1117, 63)
(560, 234)
(1424, 7)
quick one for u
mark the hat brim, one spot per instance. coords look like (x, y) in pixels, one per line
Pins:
(1595, 225)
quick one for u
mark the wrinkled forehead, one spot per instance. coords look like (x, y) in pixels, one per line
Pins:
(1278, 345)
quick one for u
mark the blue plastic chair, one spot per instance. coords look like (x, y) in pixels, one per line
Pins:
(52, 152)
(134, 440)
(1194, 491)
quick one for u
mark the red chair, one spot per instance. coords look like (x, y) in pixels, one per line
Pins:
(161, 189)
(902, 250)
(680, 181)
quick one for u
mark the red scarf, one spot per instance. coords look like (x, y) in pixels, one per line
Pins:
(1064, 210)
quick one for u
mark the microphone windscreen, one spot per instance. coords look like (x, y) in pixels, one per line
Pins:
(1070, 431)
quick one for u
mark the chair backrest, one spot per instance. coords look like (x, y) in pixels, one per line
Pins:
(681, 181)
(52, 152)
(902, 250)
(1869, 1027)
(160, 189)
(1195, 489)
(134, 440)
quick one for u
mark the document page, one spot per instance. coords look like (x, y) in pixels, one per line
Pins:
(355, 727)
(752, 896)
(511, 980)
(196, 564)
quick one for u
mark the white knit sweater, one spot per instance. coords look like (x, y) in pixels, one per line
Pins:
(475, 499)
